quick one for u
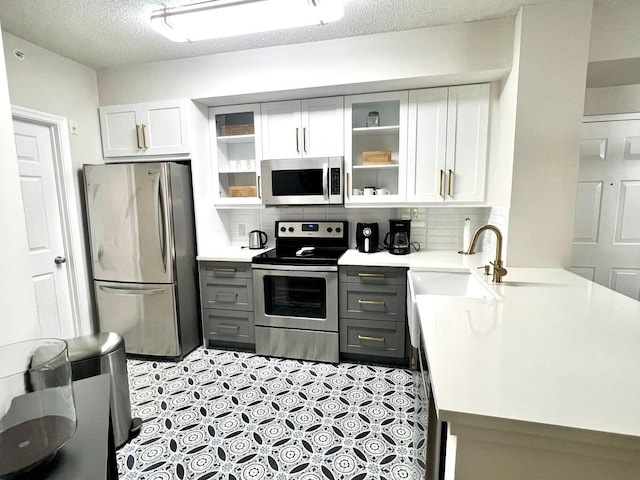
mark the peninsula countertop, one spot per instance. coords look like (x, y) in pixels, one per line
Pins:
(553, 349)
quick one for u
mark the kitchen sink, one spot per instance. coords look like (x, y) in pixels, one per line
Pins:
(449, 284)
(461, 284)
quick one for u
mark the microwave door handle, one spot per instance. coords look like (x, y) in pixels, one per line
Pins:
(325, 184)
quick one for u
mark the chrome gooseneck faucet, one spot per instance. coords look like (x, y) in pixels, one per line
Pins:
(498, 270)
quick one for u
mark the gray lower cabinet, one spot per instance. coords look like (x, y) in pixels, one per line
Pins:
(226, 294)
(373, 316)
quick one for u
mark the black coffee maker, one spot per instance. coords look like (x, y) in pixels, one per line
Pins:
(397, 240)
(367, 237)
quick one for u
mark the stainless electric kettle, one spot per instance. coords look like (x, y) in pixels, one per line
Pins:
(256, 239)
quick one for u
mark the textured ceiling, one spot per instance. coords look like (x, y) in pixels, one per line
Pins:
(103, 34)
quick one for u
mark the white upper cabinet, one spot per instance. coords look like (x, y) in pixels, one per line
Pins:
(235, 146)
(375, 151)
(155, 128)
(448, 144)
(302, 128)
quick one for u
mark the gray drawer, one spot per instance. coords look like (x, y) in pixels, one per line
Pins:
(228, 294)
(373, 275)
(225, 269)
(372, 338)
(373, 302)
(228, 326)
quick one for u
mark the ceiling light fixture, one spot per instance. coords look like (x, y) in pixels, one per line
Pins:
(227, 18)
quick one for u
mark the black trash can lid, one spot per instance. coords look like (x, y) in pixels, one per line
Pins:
(94, 345)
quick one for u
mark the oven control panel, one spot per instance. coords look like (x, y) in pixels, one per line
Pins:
(311, 229)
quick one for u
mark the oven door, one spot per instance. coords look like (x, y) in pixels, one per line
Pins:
(302, 181)
(297, 297)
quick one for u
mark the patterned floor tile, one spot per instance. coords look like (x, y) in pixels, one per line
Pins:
(240, 416)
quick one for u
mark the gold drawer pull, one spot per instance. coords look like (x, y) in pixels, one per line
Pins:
(371, 302)
(231, 297)
(235, 328)
(224, 270)
(371, 275)
(371, 339)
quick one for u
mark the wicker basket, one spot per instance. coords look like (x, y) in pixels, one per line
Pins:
(243, 191)
(376, 158)
(231, 130)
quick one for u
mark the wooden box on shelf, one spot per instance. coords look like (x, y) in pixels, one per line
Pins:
(243, 191)
(231, 130)
(376, 158)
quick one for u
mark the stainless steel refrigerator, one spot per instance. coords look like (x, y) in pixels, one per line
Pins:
(142, 239)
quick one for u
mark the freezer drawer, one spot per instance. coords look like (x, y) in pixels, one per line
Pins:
(144, 314)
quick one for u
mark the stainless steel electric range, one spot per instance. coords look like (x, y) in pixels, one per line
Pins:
(296, 291)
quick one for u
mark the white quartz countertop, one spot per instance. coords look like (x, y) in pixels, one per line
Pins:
(232, 254)
(431, 260)
(553, 349)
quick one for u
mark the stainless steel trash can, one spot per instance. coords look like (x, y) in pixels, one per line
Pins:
(100, 353)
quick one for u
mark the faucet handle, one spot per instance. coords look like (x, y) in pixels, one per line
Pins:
(486, 269)
(498, 271)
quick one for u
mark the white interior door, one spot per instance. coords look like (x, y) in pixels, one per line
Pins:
(606, 245)
(44, 229)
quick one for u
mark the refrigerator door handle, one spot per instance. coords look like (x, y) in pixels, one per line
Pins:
(130, 291)
(163, 223)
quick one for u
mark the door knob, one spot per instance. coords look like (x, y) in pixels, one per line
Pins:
(59, 260)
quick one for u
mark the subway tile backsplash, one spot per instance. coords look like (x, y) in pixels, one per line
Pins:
(431, 228)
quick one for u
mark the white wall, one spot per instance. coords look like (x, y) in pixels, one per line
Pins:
(609, 100)
(18, 315)
(553, 57)
(47, 82)
(474, 51)
(615, 30)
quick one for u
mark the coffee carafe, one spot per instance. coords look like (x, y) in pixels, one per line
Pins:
(398, 238)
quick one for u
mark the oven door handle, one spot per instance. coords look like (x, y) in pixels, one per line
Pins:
(293, 269)
(325, 181)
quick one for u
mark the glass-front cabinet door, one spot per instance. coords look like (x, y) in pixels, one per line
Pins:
(235, 136)
(376, 148)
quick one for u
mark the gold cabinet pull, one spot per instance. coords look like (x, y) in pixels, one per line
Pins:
(144, 136)
(450, 183)
(224, 270)
(371, 302)
(348, 189)
(371, 339)
(441, 183)
(370, 275)
(226, 297)
(235, 328)
(138, 137)
(304, 139)
(297, 140)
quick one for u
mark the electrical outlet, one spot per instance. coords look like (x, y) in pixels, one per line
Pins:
(242, 230)
(73, 127)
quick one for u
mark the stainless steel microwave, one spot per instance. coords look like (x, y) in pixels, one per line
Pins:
(302, 181)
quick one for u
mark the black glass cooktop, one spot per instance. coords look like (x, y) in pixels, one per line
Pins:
(307, 243)
(301, 256)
